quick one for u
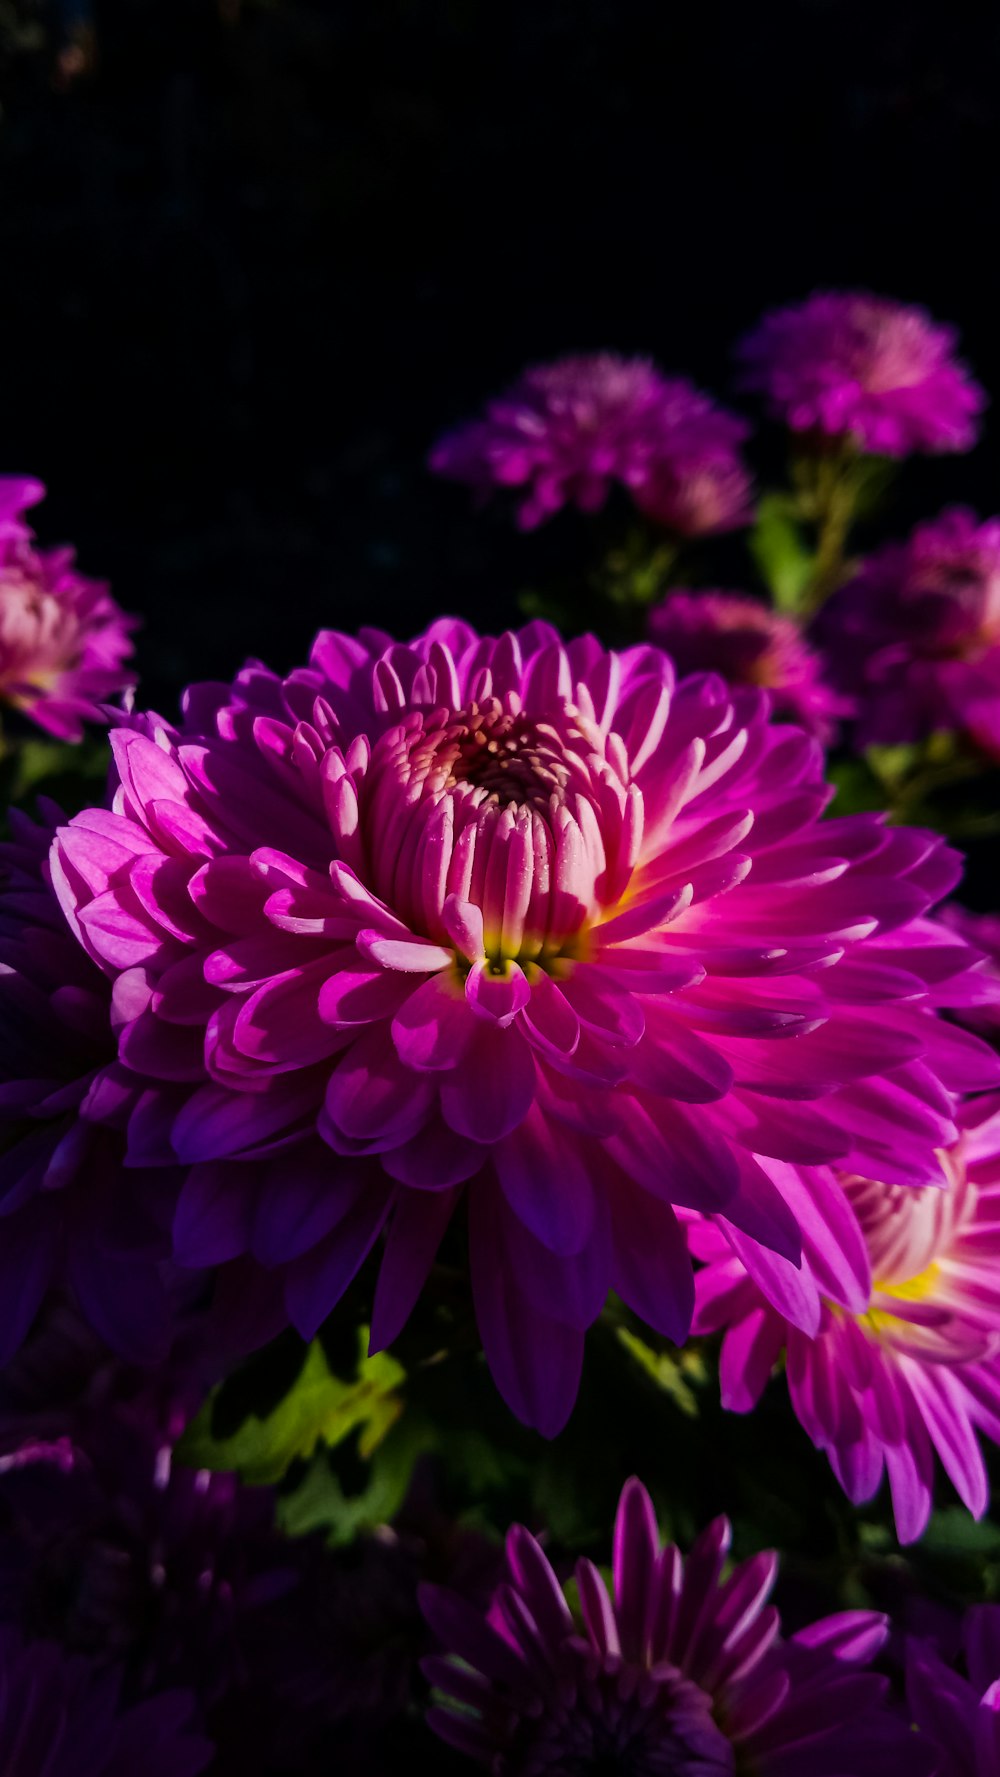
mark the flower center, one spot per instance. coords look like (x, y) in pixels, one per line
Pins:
(890, 349)
(616, 1728)
(506, 755)
(517, 814)
(39, 639)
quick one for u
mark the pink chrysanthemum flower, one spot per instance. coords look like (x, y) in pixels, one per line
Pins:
(565, 432)
(738, 637)
(518, 921)
(915, 635)
(63, 640)
(957, 1713)
(912, 1369)
(849, 364)
(680, 1674)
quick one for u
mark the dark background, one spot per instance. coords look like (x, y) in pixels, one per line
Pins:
(255, 257)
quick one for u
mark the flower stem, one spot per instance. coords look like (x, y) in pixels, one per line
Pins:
(827, 486)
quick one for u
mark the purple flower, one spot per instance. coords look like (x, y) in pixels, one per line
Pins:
(566, 432)
(682, 1672)
(519, 921)
(62, 1717)
(118, 1552)
(915, 635)
(958, 1713)
(63, 640)
(849, 364)
(67, 1214)
(910, 1368)
(739, 638)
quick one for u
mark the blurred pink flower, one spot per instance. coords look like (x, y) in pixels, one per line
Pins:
(914, 637)
(850, 364)
(63, 639)
(565, 432)
(747, 644)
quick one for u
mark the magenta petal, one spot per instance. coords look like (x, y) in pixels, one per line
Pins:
(677, 1159)
(215, 1122)
(498, 998)
(280, 1024)
(568, 1287)
(315, 1283)
(301, 1196)
(434, 1159)
(415, 1232)
(546, 1180)
(611, 1011)
(214, 1214)
(650, 1266)
(410, 956)
(372, 1096)
(535, 1361)
(750, 1351)
(491, 1090)
(433, 1027)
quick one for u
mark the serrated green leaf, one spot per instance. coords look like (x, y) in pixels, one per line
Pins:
(321, 1503)
(320, 1408)
(784, 560)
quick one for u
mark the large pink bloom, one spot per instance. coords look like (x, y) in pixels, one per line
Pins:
(63, 640)
(518, 919)
(847, 363)
(565, 433)
(911, 1368)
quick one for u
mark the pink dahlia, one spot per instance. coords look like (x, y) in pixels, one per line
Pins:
(68, 1216)
(63, 640)
(739, 638)
(519, 921)
(914, 1367)
(957, 1712)
(566, 432)
(915, 635)
(849, 364)
(681, 1673)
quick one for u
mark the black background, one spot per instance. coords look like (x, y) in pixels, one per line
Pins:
(255, 263)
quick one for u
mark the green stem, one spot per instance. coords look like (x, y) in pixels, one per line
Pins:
(927, 780)
(827, 493)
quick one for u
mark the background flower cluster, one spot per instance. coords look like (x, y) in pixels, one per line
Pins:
(466, 1072)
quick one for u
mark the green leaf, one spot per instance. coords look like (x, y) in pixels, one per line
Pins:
(321, 1502)
(953, 1533)
(783, 559)
(858, 789)
(892, 765)
(320, 1408)
(672, 1371)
